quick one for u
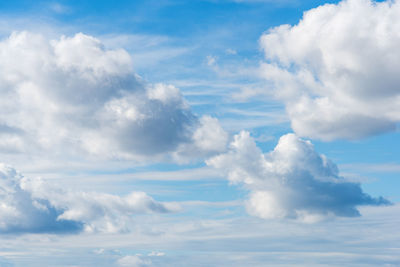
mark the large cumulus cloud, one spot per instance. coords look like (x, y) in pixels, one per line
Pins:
(337, 70)
(292, 181)
(72, 95)
(32, 205)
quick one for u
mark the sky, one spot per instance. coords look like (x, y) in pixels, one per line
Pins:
(199, 133)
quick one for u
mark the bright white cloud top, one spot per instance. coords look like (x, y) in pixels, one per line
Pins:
(73, 96)
(292, 181)
(337, 69)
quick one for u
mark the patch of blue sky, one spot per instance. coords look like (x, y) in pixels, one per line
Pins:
(205, 190)
(384, 148)
(373, 161)
(381, 183)
(163, 167)
(204, 27)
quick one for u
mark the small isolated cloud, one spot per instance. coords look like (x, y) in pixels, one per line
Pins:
(292, 181)
(133, 261)
(211, 60)
(231, 51)
(32, 205)
(72, 96)
(337, 69)
(156, 254)
(59, 8)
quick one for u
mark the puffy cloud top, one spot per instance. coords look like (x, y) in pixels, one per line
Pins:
(337, 70)
(19, 212)
(32, 205)
(72, 95)
(292, 181)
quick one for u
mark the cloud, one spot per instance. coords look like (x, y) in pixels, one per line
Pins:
(73, 96)
(133, 261)
(209, 138)
(230, 51)
(139, 260)
(19, 212)
(337, 69)
(156, 254)
(292, 181)
(211, 60)
(60, 8)
(32, 205)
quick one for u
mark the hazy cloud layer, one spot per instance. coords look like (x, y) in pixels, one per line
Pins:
(292, 181)
(32, 205)
(337, 69)
(72, 95)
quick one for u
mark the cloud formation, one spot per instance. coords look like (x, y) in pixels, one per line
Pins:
(292, 181)
(32, 205)
(337, 69)
(133, 261)
(73, 96)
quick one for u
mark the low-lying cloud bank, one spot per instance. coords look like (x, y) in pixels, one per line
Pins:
(292, 181)
(337, 70)
(73, 96)
(33, 206)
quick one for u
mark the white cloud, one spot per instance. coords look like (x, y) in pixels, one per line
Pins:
(236, 241)
(133, 261)
(231, 51)
(72, 96)
(337, 69)
(211, 60)
(209, 138)
(292, 181)
(60, 8)
(32, 205)
(156, 254)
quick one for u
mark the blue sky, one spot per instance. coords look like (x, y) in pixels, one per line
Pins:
(199, 133)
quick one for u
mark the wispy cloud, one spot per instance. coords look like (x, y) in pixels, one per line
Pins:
(373, 167)
(228, 242)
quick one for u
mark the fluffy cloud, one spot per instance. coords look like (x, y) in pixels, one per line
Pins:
(292, 181)
(72, 95)
(208, 138)
(337, 69)
(32, 205)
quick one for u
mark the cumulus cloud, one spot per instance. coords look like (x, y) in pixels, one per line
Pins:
(19, 212)
(337, 69)
(72, 95)
(32, 205)
(209, 138)
(292, 181)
